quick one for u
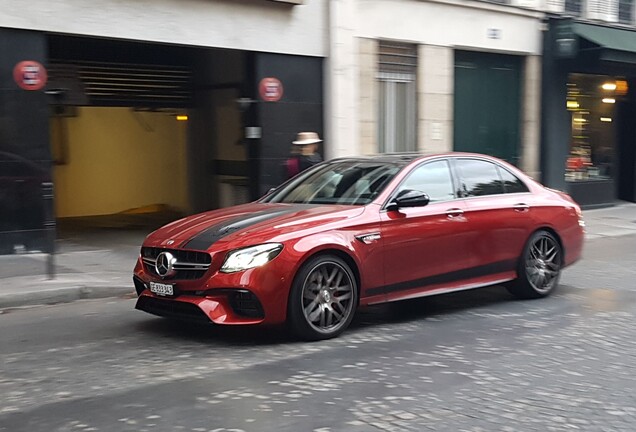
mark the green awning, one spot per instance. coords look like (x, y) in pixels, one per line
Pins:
(616, 44)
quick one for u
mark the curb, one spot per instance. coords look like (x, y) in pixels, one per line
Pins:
(62, 295)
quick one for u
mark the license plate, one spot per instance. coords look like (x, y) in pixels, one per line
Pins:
(162, 289)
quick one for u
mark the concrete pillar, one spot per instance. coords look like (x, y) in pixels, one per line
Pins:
(342, 82)
(368, 96)
(435, 88)
(531, 117)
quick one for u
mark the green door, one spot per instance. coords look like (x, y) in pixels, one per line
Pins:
(487, 95)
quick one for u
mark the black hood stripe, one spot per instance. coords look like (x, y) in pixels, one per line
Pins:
(208, 237)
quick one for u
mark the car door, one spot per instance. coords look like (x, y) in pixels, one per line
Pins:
(424, 247)
(498, 210)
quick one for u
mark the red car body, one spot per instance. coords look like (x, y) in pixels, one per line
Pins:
(394, 254)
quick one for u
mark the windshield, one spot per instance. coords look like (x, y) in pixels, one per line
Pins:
(338, 182)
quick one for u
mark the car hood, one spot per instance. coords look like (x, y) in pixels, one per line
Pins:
(249, 224)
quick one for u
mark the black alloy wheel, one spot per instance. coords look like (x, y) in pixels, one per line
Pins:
(539, 268)
(323, 298)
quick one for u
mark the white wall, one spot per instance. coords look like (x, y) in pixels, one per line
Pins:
(446, 24)
(258, 25)
(461, 23)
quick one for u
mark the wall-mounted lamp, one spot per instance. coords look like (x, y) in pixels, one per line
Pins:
(182, 117)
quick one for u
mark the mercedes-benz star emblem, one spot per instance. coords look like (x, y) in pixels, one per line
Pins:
(165, 265)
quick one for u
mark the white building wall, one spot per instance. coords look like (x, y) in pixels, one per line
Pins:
(453, 23)
(257, 25)
(438, 27)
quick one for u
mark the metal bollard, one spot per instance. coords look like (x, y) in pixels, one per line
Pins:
(49, 227)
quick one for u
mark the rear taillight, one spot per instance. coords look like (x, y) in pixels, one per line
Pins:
(579, 215)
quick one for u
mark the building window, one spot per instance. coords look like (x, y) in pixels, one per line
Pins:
(574, 7)
(397, 117)
(626, 11)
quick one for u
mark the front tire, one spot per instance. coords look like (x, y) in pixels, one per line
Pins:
(539, 268)
(323, 298)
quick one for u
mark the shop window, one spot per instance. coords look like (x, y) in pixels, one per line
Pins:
(592, 103)
(397, 116)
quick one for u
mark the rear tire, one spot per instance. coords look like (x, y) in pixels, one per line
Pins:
(323, 298)
(539, 268)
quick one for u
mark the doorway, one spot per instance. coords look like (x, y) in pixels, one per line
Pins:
(487, 104)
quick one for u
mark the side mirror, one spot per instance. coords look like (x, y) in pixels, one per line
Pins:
(409, 198)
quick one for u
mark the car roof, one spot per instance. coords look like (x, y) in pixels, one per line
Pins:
(406, 158)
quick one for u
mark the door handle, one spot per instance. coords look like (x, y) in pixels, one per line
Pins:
(454, 212)
(521, 207)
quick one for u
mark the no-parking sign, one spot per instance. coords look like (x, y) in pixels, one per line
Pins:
(30, 75)
(270, 89)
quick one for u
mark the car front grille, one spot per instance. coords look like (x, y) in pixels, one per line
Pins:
(190, 265)
(172, 309)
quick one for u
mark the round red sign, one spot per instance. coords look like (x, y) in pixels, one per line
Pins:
(30, 75)
(270, 89)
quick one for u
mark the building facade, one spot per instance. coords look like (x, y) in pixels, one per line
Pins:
(111, 107)
(436, 76)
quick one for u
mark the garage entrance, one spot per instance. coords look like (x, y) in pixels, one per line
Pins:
(136, 129)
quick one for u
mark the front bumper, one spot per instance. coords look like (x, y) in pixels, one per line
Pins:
(254, 296)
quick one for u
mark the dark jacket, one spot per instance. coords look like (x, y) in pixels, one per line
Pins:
(299, 163)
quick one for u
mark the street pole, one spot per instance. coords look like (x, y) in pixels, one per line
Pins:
(49, 227)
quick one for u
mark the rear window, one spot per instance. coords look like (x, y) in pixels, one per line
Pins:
(511, 183)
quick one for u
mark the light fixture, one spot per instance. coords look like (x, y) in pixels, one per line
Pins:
(621, 87)
(609, 100)
(572, 104)
(182, 117)
(579, 120)
(609, 86)
(606, 119)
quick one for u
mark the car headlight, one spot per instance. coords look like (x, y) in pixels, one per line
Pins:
(250, 257)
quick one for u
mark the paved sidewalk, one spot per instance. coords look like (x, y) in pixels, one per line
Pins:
(98, 265)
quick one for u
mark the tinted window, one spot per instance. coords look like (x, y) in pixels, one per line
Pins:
(433, 178)
(511, 183)
(479, 178)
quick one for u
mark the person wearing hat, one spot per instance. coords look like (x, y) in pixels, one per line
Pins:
(304, 153)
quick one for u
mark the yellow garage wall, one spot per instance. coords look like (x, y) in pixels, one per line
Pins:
(118, 159)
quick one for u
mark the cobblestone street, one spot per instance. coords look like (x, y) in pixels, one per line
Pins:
(472, 361)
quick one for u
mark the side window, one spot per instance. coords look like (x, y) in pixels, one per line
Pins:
(432, 178)
(511, 183)
(479, 178)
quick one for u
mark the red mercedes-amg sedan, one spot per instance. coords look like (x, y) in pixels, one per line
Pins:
(360, 231)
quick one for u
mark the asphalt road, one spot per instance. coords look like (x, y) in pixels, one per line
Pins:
(472, 361)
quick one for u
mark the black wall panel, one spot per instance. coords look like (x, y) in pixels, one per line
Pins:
(299, 109)
(25, 158)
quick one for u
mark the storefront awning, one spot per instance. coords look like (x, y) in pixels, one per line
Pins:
(615, 44)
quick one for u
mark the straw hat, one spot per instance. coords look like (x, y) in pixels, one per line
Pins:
(305, 138)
